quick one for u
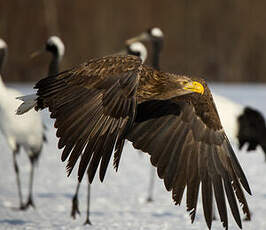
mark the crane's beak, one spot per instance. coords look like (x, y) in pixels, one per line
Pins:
(36, 53)
(195, 87)
(140, 38)
(121, 52)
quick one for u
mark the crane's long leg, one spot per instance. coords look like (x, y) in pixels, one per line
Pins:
(75, 203)
(151, 185)
(87, 221)
(15, 163)
(213, 210)
(30, 199)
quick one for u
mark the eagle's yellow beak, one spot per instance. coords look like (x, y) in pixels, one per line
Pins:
(194, 86)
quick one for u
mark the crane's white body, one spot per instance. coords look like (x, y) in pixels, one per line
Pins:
(229, 111)
(25, 130)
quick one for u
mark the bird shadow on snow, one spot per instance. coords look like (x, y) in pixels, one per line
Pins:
(97, 213)
(13, 222)
(163, 214)
(53, 195)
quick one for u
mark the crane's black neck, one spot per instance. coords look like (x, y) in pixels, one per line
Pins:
(3, 53)
(156, 47)
(54, 65)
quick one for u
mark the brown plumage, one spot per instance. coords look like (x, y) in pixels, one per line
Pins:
(99, 104)
(188, 145)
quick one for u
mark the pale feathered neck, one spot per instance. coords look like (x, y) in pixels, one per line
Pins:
(2, 86)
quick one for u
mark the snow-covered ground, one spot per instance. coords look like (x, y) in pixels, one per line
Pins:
(119, 202)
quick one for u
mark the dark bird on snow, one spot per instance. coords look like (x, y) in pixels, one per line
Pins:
(99, 104)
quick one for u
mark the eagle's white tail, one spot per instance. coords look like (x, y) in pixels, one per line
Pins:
(29, 102)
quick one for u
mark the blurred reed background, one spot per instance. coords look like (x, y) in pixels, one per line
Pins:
(222, 40)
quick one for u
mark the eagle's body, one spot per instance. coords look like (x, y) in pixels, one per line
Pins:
(100, 104)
